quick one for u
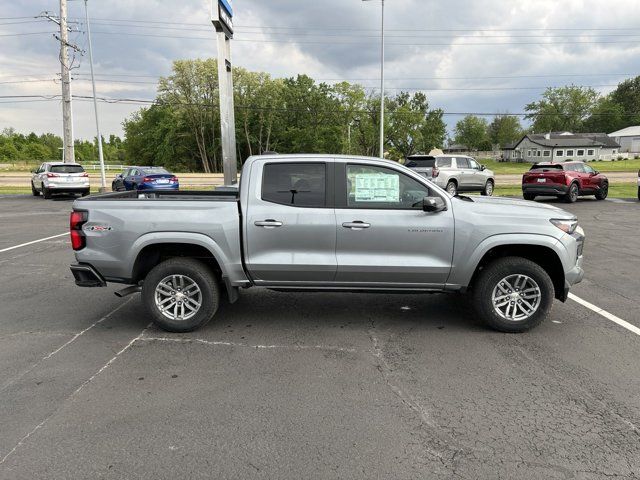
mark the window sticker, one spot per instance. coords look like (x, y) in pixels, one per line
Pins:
(377, 187)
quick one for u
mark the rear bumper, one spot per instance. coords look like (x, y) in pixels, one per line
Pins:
(87, 276)
(539, 189)
(145, 186)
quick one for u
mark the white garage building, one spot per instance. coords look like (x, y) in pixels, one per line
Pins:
(628, 139)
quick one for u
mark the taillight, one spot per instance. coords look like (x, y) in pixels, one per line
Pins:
(52, 175)
(175, 179)
(147, 179)
(76, 220)
(85, 174)
(435, 172)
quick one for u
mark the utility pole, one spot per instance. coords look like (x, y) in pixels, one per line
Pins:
(67, 113)
(103, 187)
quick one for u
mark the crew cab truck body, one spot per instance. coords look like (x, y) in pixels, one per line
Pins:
(327, 223)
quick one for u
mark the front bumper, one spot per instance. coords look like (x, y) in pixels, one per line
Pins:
(540, 189)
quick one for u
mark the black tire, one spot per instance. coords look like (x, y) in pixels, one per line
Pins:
(201, 275)
(638, 193)
(452, 188)
(494, 273)
(488, 188)
(528, 196)
(603, 192)
(573, 193)
(34, 192)
(114, 187)
(86, 192)
(46, 194)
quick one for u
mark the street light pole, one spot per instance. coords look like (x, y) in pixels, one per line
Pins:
(382, 85)
(381, 82)
(103, 187)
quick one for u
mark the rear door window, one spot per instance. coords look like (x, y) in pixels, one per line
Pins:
(295, 184)
(66, 169)
(420, 162)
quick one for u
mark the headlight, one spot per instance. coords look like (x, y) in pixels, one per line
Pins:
(566, 225)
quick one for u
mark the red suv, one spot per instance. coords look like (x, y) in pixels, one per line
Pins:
(567, 180)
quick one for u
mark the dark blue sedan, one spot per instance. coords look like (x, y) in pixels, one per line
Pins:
(145, 178)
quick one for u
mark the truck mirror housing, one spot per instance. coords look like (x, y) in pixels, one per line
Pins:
(433, 204)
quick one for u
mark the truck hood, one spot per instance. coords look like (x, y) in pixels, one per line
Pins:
(512, 206)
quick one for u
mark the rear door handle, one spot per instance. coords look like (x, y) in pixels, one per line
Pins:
(268, 223)
(356, 225)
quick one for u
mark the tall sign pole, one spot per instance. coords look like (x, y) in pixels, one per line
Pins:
(222, 18)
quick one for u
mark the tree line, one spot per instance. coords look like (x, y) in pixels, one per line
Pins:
(181, 129)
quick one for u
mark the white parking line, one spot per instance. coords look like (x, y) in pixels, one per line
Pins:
(32, 242)
(605, 314)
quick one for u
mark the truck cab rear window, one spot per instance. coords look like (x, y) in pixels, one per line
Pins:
(66, 169)
(295, 184)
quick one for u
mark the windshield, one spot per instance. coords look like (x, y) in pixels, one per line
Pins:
(66, 169)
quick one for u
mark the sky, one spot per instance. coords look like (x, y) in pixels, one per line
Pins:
(479, 56)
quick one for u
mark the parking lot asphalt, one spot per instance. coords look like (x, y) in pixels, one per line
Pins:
(314, 385)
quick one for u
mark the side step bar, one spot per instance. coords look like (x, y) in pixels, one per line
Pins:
(87, 276)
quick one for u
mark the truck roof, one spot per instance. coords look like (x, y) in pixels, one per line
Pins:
(316, 156)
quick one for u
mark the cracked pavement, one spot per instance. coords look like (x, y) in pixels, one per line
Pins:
(327, 386)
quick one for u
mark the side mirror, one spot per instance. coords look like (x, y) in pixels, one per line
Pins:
(433, 204)
(482, 168)
(596, 172)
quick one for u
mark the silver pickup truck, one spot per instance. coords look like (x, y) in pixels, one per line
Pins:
(326, 223)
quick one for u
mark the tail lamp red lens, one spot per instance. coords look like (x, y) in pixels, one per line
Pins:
(147, 179)
(174, 179)
(435, 172)
(76, 221)
(52, 175)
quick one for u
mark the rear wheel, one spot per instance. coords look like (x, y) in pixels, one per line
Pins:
(34, 192)
(181, 294)
(603, 192)
(513, 294)
(638, 193)
(529, 196)
(86, 192)
(488, 188)
(572, 194)
(46, 194)
(452, 188)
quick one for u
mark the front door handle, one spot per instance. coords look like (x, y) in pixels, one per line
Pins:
(268, 223)
(356, 225)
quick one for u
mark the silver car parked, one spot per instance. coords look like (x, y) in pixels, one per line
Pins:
(454, 173)
(58, 177)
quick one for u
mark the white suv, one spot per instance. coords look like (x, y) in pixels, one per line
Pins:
(57, 177)
(454, 173)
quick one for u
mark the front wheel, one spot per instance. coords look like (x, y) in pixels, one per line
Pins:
(638, 193)
(603, 192)
(513, 294)
(34, 192)
(488, 188)
(181, 294)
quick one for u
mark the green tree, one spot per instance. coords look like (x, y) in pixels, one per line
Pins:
(504, 129)
(606, 116)
(562, 109)
(472, 132)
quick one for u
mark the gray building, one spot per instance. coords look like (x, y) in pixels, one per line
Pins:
(562, 146)
(628, 138)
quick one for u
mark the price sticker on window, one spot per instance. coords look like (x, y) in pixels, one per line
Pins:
(377, 187)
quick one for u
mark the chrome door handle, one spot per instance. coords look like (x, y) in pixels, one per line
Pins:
(268, 223)
(356, 225)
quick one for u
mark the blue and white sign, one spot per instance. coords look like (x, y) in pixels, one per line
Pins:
(222, 16)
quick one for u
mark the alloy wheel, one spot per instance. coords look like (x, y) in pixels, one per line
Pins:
(178, 297)
(516, 297)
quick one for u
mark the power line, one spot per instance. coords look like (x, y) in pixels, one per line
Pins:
(23, 34)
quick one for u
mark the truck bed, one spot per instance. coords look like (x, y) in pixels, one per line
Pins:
(121, 225)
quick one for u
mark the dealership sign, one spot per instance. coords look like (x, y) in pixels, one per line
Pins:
(222, 16)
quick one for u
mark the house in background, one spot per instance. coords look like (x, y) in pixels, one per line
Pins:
(628, 139)
(456, 148)
(561, 147)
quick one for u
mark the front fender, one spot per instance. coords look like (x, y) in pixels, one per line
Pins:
(466, 261)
